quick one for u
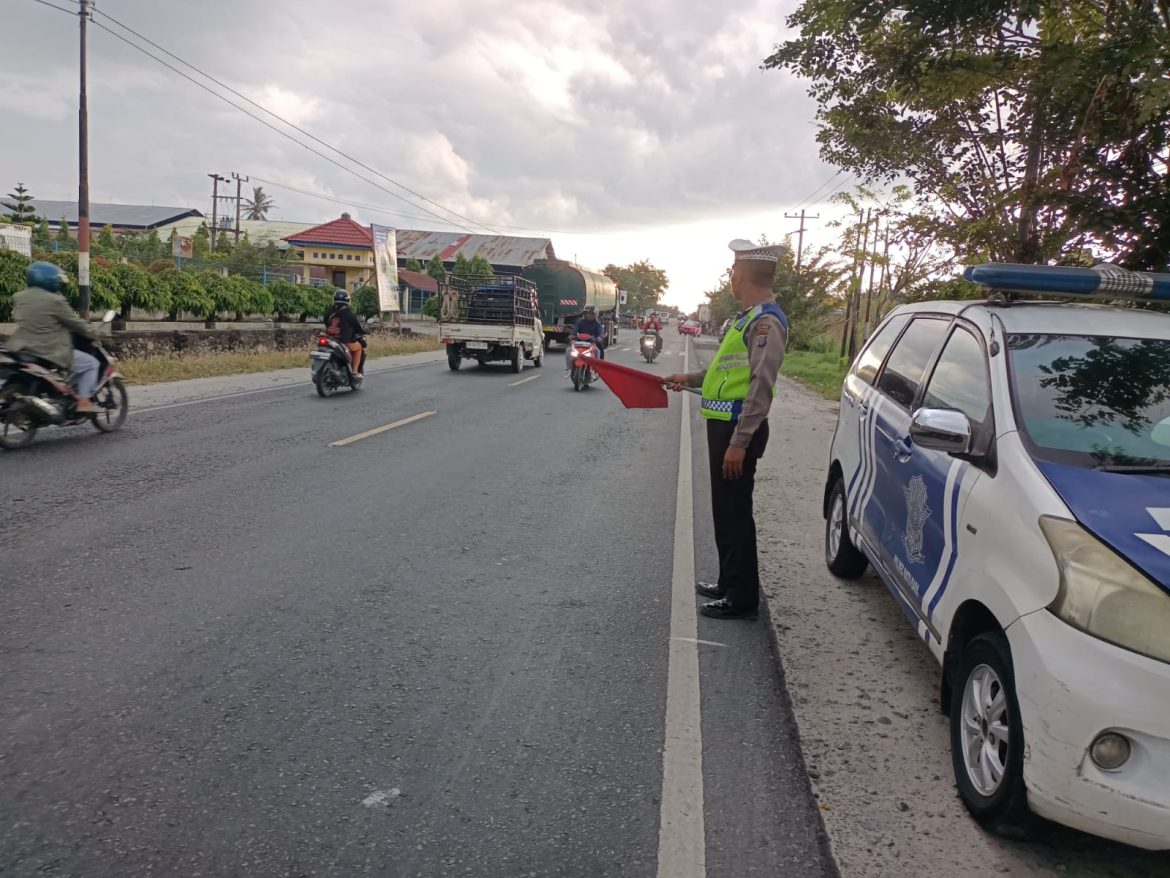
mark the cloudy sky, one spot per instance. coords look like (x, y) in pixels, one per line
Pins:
(622, 129)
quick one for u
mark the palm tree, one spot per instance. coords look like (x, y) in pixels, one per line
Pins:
(258, 205)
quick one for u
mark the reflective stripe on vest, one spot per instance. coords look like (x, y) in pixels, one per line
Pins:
(725, 386)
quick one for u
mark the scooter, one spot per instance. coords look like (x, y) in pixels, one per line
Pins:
(583, 345)
(650, 345)
(331, 366)
(35, 393)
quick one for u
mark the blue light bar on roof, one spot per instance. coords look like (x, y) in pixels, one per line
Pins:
(1105, 280)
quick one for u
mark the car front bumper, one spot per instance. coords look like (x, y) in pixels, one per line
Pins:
(1072, 687)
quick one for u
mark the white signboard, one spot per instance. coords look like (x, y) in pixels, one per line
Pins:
(386, 267)
(18, 238)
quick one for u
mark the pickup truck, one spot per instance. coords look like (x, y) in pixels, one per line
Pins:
(492, 320)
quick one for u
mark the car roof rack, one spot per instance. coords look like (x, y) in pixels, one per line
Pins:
(1008, 282)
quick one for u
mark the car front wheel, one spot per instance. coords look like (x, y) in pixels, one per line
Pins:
(987, 739)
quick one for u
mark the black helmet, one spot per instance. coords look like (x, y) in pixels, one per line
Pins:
(45, 275)
(341, 296)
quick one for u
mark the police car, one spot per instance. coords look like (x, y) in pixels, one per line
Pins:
(1004, 467)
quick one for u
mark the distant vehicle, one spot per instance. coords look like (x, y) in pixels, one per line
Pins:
(564, 289)
(723, 328)
(689, 327)
(494, 320)
(1004, 467)
(35, 393)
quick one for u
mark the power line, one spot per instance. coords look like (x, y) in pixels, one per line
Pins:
(379, 209)
(272, 127)
(55, 6)
(838, 188)
(296, 127)
(813, 194)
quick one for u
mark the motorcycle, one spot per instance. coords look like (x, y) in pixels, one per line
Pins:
(580, 372)
(35, 393)
(332, 367)
(650, 345)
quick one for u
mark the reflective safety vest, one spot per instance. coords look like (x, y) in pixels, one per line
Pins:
(725, 386)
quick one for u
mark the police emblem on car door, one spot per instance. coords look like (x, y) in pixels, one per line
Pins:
(917, 514)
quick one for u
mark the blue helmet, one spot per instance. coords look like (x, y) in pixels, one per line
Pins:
(45, 275)
(341, 296)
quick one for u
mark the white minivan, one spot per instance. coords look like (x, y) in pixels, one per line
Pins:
(1004, 467)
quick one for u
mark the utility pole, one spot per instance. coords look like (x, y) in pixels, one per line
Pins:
(800, 234)
(846, 330)
(872, 270)
(862, 254)
(216, 179)
(239, 201)
(83, 291)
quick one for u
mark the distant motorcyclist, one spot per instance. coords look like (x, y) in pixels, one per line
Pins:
(45, 325)
(590, 325)
(343, 325)
(653, 323)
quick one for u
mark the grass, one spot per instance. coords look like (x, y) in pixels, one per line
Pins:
(173, 367)
(821, 371)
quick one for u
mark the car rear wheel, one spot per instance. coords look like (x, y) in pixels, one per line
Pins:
(453, 359)
(842, 557)
(987, 739)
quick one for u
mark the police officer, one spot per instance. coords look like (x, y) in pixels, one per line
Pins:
(738, 388)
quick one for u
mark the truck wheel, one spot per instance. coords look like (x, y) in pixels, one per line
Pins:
(538, 360)
(518, 359)
(452, 358)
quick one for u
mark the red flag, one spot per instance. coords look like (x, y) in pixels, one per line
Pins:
(636, 389)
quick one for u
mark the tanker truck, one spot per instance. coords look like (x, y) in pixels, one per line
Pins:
(564, 290)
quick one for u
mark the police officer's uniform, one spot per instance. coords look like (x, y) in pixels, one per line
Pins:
(738, 388)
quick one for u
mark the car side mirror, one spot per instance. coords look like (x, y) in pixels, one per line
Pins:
(944, 430)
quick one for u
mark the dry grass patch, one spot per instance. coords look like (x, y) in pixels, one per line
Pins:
(175, 367)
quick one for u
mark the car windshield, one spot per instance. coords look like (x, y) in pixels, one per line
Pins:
(1093, 401)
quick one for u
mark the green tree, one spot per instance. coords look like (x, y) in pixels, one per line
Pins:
(259, 298)
(287, 298)
(106, 244)
(1030, 131)
(462, 267)
(150, 247)
(257, 207)
(223, 243)
(479, 270)
(201, 242)
(643, 283)
(12, 268)
(187, 294)
(430, 308)
(139, 290)
(413, 265)
(224, 296)
(64, 242)
(436, 269)
(316, 302)
(365, 301)
(20, 204)
(42, 236)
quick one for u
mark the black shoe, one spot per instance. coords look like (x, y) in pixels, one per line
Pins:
(709, 590)
(723, 609)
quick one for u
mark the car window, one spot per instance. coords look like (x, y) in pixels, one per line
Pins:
(907, 362)
(871, 358)
(959, 381)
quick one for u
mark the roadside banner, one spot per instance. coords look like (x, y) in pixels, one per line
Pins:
(181, 247)
(386, 267)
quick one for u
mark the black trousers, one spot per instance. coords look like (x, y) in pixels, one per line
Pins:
(731, 508)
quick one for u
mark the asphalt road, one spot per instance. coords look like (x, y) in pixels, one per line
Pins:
(230, 648)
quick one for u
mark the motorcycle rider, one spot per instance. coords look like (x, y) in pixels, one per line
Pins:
(592, 326)
(652, 322)
(45, 325)
(342, 324)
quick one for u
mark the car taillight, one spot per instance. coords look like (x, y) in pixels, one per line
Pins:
(322, 340)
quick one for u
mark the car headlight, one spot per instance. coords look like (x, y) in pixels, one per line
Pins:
(1103, 595)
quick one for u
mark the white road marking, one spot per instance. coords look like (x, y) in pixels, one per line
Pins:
(381, 798)
(704, 642)
(283, 386)
(377, 430)
(524, 380)
(682, 848)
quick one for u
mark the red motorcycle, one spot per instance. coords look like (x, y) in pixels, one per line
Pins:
(581, 374)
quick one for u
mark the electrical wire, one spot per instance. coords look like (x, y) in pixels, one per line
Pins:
(295, 127)
(272, 127)
(58, 8)
(813, 194)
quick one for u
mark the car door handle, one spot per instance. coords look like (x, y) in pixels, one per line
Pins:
(863, 407)
(903, 447)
